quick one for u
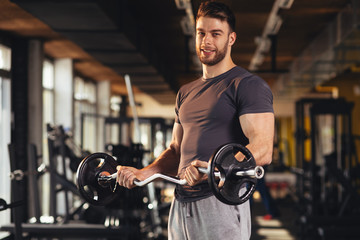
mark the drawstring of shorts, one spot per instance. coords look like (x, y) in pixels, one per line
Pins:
(188, 211)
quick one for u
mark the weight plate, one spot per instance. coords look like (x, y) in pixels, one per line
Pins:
(87, 178)
(229, 188)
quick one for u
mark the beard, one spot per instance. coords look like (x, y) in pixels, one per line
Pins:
(218, 57)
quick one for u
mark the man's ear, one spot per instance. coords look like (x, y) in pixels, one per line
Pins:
(232, 38)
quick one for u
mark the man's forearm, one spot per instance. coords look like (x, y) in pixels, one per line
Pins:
(262, 152)
(167, 163)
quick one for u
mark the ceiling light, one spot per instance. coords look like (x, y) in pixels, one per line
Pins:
(182, 4)
(272, 27)
(186, 26)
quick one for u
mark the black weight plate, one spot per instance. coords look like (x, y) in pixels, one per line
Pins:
(231, 189)
(87, 175)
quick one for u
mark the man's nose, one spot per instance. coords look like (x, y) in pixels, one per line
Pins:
(207, 39)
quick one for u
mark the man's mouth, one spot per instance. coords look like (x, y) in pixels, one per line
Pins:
(207, 51)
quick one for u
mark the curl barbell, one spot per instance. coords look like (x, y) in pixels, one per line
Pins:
(231, 181)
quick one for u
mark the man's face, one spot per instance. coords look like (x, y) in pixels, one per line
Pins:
(212, 40)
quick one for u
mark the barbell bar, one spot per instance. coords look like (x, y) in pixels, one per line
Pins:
(231, 181)
(257, 172)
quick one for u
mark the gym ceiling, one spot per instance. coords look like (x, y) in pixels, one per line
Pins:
(152, 40)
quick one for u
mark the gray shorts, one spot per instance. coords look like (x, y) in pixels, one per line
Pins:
(209, 219)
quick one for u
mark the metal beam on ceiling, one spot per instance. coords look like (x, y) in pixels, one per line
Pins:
(103, 35)
(321, 60)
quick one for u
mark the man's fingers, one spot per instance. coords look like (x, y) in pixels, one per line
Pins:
(129, 179)
(120, 177)
(192, 175)
(198, 163)
(190, 179)
(125, 177)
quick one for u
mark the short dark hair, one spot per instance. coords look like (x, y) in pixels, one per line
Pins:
(217, 10)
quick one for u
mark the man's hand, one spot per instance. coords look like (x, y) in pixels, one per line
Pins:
(126, 176)
(192, 174)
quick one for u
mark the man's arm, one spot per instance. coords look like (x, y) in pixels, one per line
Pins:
(167, 163)
(259, 129)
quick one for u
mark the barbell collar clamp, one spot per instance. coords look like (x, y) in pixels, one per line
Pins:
(258, 172)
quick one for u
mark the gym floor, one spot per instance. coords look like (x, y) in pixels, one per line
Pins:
(280, 228)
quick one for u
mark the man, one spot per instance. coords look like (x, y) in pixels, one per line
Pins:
(226, 105)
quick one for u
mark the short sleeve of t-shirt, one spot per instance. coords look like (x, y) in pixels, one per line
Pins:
(254, 96)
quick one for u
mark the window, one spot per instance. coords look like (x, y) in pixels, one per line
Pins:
(85, 103)
(48, 117)
(5, 128)
(48, 96)
(5, 58)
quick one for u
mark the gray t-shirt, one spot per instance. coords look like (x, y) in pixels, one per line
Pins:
(208, 111)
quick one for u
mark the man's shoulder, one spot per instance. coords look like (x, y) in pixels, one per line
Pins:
(245, 76)
(238, 73)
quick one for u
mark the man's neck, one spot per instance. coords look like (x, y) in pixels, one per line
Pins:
(218, 69)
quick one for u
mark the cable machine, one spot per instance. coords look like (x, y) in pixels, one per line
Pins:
(328, 183)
